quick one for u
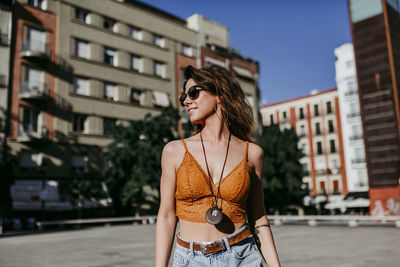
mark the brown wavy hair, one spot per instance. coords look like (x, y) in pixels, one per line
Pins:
(236, 111)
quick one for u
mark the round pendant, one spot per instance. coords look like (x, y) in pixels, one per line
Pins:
(214, 215)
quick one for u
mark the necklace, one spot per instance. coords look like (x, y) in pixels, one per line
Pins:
(214, 215)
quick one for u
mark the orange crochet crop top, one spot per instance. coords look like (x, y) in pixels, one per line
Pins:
(193, 196)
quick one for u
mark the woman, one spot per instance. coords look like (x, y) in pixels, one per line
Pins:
(211, 181)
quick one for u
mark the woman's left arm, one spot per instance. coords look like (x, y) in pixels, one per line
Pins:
(256, 214)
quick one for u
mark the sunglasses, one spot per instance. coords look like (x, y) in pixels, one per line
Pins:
(193, 93)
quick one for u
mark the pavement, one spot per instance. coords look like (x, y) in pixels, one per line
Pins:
(133, 245)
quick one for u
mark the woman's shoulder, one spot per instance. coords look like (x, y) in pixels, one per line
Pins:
(255, 152)
(173, 146)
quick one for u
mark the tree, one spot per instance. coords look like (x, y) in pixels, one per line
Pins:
(135, 161)
(282, 175)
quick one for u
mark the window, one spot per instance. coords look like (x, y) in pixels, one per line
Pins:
(332, 146)
(316, 111)
(78, 163)
(109, 24)
(328, 107)
(158, 40)
(109, 56)
(29, 121)
(108, 124)
(305, 168)
(319, 148)
(186, 50)
(160, 99)
(136, 62)
(304, 148)
(135, 33)
(82, 14)
(336, 187)
(78, 121)
(302, 130)
(81, 86)
(159, 69)
(317, 128)
(271, 119)
(110, 91)
(81, 48)
(284, 115)
(37, 3)
(322, 187)
(330, 126)
(35, 40)
(34, 81)
(136, 95)
(301, 113)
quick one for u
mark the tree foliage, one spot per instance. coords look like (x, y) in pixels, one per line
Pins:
(134, 157)
(282, 175)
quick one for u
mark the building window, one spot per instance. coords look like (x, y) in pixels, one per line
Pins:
(158, 40)
(29, 121)
(159, 69)
(330, 126)
(109, 56)
(78, 121)
(160, 99)
(271, 119)
(136, 63)
(317, 128)
(108, 125)
(186, 50)
(78, 163)
(301, 113)
(322, 190)
(319, 148)
(109, 24)
(316, 111)
(328, 107)
(35, 40)
(38, 3)
(304, 149)
(136, 96)
(332, 146)
(305, 169)
(135, 33)
(81, 86)
(81, 48)
(284, 115)
(110, 91)
(336, 187)
(302, 130)
(34, 81)
(82, 14)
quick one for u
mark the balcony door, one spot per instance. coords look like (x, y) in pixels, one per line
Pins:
(34, 80)
(36, 40)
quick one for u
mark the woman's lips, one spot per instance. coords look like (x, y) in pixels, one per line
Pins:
(190, 110)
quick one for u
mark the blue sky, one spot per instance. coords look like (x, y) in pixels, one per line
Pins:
(293, 40)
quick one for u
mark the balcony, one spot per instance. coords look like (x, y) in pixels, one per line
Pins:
(357, 160)
(34, 90)
(35, 50)
(356, 137)
(31, 132)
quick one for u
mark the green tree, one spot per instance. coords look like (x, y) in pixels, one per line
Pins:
(282, 175)
(134, 158)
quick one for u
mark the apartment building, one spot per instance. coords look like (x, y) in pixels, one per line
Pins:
(352, 131)
(214, 49)
(80, 67)
(316, 120)
(376, 39)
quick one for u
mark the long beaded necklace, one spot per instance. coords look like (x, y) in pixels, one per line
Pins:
(214, 215)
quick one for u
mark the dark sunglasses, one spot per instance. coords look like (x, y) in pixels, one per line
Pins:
(193, 93)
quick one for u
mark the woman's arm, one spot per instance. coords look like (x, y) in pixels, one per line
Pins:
(256, 211)
(166, 218)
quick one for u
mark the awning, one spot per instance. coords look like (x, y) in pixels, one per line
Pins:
(242, 72)
(160, 99)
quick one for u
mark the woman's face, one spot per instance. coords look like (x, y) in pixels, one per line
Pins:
(202, 107)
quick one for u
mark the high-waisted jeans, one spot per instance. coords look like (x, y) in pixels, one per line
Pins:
(243, 253)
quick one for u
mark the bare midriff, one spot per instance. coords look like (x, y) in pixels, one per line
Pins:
(203, 232)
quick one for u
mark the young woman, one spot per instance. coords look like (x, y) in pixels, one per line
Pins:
(211, 181)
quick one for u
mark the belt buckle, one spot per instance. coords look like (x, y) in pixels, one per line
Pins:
(203, 248)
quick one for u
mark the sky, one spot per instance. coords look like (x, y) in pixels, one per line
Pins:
(293, 40)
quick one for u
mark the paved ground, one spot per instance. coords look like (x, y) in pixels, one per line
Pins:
(133, 245)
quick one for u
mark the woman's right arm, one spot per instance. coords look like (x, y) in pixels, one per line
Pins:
(166, 217)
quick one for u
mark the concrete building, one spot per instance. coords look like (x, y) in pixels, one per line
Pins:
(316, 120)
(376, 39)
(214, 49)
(352, 132)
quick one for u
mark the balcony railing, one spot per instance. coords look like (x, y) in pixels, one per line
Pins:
(30, 132)
(356, 137)
(35, 49)
(358, 160)
(353, 114)
(33, 90)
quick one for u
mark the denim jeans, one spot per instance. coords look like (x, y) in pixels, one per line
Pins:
(243, 253)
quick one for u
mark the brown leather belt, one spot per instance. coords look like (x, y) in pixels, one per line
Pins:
(219, 245)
